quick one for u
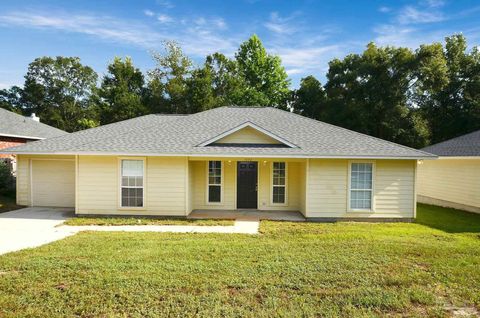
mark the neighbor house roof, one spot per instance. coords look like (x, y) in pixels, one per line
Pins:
(18, 126)
(464, 146)
(188, 135)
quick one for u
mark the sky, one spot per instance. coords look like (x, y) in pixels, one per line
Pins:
(305, 34)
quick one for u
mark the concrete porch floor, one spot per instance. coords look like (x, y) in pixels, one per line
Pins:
(294, 216)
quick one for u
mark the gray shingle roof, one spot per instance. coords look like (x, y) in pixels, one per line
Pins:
(14, 125)
(181, 135)
(467, 145)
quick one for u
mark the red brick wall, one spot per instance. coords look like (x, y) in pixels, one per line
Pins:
(6, 142)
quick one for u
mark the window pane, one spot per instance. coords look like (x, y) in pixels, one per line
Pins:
(215, 172)
(361, 185)
(132, 168)
(361, 199)
(278, 194)
(214, 193)
(361, 176)
(132, 197)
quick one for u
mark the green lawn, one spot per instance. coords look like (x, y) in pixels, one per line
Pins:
(7, 203)
(290, 270)
(143, 221)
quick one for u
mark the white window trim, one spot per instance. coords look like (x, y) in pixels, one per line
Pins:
(372, 209)
(222, 169)
(119, 185)
(286, 184)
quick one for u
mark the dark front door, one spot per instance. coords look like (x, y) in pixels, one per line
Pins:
(246, 185)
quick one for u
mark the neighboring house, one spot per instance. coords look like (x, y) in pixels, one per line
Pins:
(228, 158)
(453, 180)
(17, 130)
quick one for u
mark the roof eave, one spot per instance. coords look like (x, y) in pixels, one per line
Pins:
(225, 155)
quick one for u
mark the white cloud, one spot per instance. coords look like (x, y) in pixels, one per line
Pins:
(5, 85)
(149, 13)
(407, 36)
(434, 3)
(384, 9)
(281, 25)
(198, 40)
(165, 3)
(412, 15)
(220, 23)
(307, 60)
(164, 18)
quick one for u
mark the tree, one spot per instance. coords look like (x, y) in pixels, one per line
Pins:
(369, 93)
(267, 82)
(453, 107)
(121, 92)
(169, 78)
(309, 100)
(59, 90)
(11, 99)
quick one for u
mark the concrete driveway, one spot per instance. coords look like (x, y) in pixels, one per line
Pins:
(32, 227)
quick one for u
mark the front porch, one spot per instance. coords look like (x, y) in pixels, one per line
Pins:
(267, 188)
(293, 216)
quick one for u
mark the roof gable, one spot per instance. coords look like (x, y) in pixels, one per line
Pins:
(247, 133)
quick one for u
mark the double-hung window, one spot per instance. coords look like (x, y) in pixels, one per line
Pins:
(132, 183)
(361, 186)
(214, 181)
(279, 184)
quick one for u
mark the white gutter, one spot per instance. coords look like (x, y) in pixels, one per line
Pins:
(220, 155)
(20, 136)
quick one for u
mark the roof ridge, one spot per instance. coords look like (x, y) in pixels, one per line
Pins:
(352, 131)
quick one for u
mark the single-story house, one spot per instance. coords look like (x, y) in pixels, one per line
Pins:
(453, 180)
(227, 158)
(17, 130)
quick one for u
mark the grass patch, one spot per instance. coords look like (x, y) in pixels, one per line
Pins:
(291, 270)
(106, 221)
(8, 203)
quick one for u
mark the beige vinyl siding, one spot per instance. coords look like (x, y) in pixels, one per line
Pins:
(200, 189)
(98, 186)
(294, 197)
(24, 178)
(191, 187)
(248, 135)
(393, 189)
(451, 180)
(303, 187)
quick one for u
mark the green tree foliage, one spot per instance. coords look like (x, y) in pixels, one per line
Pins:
(453, 107)
(368, 93)
(11, 99)
(267, 82)
(59, 90)
(7, 180)
(168, 80)
(120, 95)
(309, 100)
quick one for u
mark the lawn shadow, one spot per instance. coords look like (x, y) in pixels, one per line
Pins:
(447, 219)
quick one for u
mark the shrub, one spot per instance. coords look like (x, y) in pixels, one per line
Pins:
(7, 180)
